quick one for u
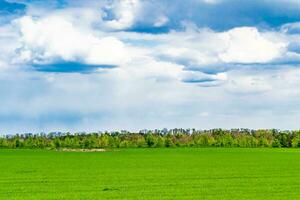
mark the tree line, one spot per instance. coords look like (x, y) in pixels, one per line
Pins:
(156, 139)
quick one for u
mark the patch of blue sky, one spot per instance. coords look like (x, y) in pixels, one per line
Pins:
(69, 67)
(144, 28)
(41, 3)
(193, 80)
(8, 11)
(9, 7)
(220, 16)
(210, 70)
(67, 117)
(259, 13)
(9, 117)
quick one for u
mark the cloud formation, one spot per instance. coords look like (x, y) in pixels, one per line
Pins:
(54, 38)
(90, 65)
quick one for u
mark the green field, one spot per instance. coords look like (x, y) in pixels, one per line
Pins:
(207, 173)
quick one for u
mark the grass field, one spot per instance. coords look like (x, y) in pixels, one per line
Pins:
(208, 173)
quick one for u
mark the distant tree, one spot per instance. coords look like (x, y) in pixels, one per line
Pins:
(169, 142)
(3, 143)
(56, 143)
(104, 141)
(124, 144)
(86, 143)
(160, 142)
(141, 142)
(276, 143)
(150, 140)
(17, 143)
(296, 142)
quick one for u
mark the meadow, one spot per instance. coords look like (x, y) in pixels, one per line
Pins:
(153, 173)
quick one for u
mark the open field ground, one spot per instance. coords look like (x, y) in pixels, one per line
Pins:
(179, 173)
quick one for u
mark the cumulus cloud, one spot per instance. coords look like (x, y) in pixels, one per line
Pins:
(125, 12)
(8, 45)
(239, 45)
(247, 45)
(54, 38)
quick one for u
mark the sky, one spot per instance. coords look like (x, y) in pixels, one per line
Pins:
(87, 65)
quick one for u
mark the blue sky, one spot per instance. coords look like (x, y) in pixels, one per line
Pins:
(90, 65)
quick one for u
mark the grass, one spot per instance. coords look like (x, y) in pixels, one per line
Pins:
(208, 173)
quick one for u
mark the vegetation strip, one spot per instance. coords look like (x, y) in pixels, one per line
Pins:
(158, 138)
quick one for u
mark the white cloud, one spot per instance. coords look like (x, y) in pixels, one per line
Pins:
(247, 45)
(273, 84)
(161, 21)
(248, 84)
(291, 28)
(8, 45)
(150, 68)
(3, 65)
(54, 37)
(211, 1)
(125, 12)
(200, 47)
